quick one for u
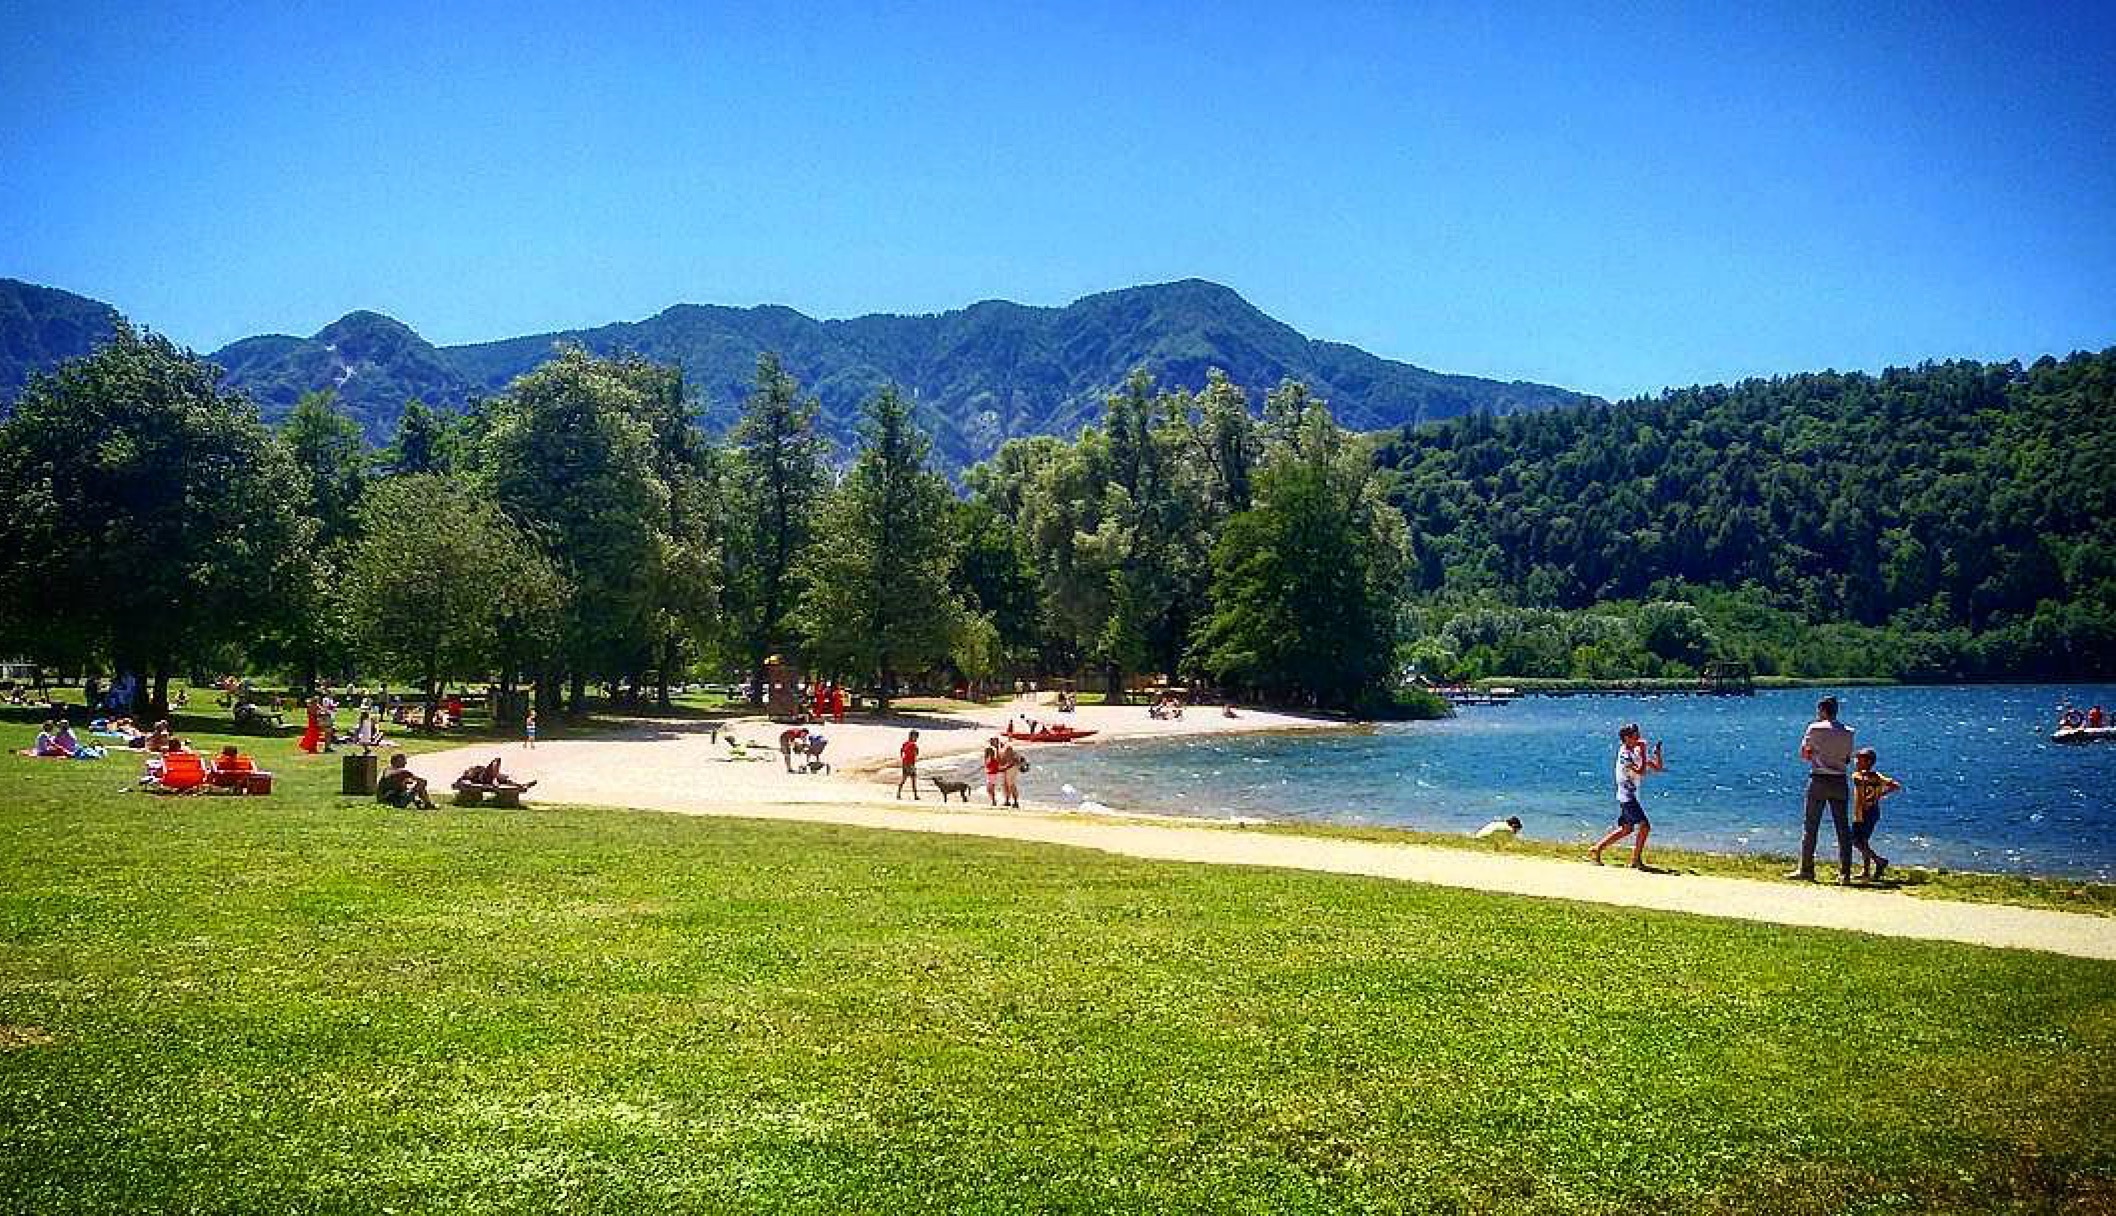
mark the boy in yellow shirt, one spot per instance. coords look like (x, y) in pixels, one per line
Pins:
(1869, 787)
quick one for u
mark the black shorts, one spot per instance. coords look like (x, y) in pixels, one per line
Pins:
(1630, 814)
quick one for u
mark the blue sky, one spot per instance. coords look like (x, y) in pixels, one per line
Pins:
(1611, 199)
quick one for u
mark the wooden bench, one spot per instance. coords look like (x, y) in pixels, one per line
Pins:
(508, 797)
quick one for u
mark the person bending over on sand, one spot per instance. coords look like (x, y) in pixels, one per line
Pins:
(790, 741)
(1826, 745)
(1869, 787)
(907, 757)
(992, 771)
(1500, 831)
(1633, 763)
(400, 787)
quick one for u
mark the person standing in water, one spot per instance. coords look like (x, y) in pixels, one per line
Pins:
(1826, 745)
(1633, 762)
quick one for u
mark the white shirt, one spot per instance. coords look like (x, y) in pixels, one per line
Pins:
(1497, 827)
(1831, 745)
(1630, 770)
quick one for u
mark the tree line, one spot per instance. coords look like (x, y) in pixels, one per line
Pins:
(581, 528)
(1953, 520)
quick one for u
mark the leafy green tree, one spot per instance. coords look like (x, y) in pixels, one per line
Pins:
(876, 598)
(1306, 583)
(778, 481)
(568, 450)
(1230, 440)
(153, 512)
(687, 568)
(443, 586)
(421, 442)
(992, 570)
(333, 459)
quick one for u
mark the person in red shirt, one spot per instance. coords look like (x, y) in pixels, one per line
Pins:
(908, 755)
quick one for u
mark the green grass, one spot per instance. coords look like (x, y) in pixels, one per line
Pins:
(311, 1004)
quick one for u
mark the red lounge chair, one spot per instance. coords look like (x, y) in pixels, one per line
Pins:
(183, 771)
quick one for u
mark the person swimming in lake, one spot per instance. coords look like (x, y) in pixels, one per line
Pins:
(1634, 763)
(1869, 787)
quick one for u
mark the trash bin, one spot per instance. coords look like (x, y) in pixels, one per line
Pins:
(360, 774)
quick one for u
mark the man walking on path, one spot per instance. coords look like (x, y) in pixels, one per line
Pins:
(1827, 748)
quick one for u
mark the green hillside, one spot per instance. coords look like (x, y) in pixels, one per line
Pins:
(1963, 514)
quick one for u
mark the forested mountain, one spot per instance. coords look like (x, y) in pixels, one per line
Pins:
(976, 376)
(42, 327)
(1965, 511)
(372, 363)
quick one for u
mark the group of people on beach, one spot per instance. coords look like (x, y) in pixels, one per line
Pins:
(1003, 766)
(1842, 781)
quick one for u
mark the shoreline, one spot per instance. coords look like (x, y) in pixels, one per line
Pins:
(674, 766)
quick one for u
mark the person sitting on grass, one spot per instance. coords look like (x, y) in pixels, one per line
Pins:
(231, 760)
(47, 745)
(71, 746)
(1869, 787)
(400, 787)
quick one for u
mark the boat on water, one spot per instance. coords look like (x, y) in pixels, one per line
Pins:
(1047, 734)
(2084, 734)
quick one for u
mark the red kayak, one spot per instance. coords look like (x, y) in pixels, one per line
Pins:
(1049, 734)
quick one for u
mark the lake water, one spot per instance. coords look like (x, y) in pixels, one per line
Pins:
(1984, 788)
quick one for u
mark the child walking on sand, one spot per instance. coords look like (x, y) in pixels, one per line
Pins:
(1633, 763)
(1869, 787)
(907, 756)
(529, 730)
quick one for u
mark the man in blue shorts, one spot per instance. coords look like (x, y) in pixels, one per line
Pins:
(1633, 762)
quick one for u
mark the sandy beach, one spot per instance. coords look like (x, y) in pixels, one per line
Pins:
(674, 765)
(682, 767)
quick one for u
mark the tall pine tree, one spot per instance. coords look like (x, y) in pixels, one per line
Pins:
(876, 597)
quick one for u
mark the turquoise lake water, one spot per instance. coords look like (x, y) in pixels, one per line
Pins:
(1984, 788)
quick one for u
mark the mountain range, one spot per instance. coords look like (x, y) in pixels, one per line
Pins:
(979, 375)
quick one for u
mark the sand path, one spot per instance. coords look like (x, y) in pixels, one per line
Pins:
(679, 767)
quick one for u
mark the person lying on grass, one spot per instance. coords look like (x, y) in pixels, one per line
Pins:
(401, 788)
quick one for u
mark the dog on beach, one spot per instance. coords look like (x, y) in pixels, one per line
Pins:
(960, 789)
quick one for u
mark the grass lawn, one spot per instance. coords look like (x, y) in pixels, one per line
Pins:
(313, 1004)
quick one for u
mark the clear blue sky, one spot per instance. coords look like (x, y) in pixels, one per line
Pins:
(1610, 200)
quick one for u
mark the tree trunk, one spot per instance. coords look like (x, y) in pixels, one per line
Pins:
(578, 699)
(160, 708)
(668, 659)
(1113, 686)
(547, 693)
